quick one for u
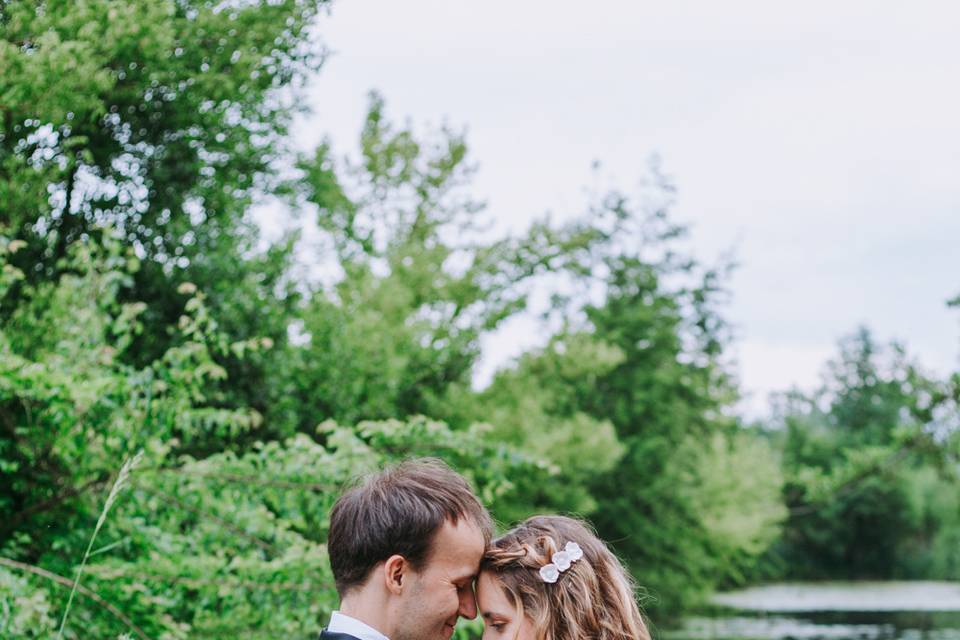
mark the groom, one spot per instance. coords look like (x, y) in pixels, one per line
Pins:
(405, 547)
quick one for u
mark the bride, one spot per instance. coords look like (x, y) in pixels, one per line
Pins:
(551, 578)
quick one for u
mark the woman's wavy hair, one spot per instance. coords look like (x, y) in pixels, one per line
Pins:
(595, 598)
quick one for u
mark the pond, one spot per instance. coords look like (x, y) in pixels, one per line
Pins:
(831, 611)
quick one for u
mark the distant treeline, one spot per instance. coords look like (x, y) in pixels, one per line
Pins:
(180, 402)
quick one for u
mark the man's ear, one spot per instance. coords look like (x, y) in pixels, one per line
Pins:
(395, 573)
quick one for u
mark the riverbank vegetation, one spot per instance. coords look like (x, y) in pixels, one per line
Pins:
(148, 325)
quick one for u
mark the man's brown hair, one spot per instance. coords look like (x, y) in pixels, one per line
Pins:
(398, 512)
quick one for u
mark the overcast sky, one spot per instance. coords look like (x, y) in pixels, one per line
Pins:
(819, 140)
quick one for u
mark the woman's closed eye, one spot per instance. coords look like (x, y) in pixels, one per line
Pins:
(496, 625)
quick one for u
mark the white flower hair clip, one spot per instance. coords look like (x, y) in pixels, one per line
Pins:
(560, 562)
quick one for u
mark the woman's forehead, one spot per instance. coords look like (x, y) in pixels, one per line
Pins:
(491, 595)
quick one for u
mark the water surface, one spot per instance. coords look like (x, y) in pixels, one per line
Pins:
(831, 611)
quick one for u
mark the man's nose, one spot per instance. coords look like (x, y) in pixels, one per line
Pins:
(468, 604)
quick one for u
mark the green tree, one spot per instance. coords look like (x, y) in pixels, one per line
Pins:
(633, 402)
(165, 121)
(154, 118)
(670, 401)
(537, 406)
(862, 456)
(419, 281)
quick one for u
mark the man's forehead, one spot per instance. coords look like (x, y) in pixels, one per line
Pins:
(462, 544)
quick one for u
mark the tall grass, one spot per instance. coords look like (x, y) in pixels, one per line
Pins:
(118, 485)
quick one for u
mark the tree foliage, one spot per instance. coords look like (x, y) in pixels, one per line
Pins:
(419, 282)
(164, 121)
(871, 461)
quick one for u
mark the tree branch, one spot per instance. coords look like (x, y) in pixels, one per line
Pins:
(50, 503)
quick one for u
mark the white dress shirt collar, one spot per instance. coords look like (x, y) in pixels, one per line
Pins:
(340, 623)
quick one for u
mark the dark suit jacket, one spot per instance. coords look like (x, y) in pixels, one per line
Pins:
(326, 635)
